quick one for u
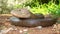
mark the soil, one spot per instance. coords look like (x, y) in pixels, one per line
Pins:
(4, 20)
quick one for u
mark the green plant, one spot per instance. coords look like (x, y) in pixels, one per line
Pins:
(32, 3)
(50, 8)
(54, 10)
(41, 9)
(17, 6)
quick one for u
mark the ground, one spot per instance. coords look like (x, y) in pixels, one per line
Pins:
(11, 29)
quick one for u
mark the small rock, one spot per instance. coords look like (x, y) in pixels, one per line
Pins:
(39, 27)
(5, 30)
(25, 30)
(21, 31)
(14, 28)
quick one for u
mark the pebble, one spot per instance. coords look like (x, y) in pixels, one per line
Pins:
(5, 30)
(39, 27)
(21, 31)
(25, 30)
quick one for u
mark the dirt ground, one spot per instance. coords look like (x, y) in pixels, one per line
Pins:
(24, 30)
